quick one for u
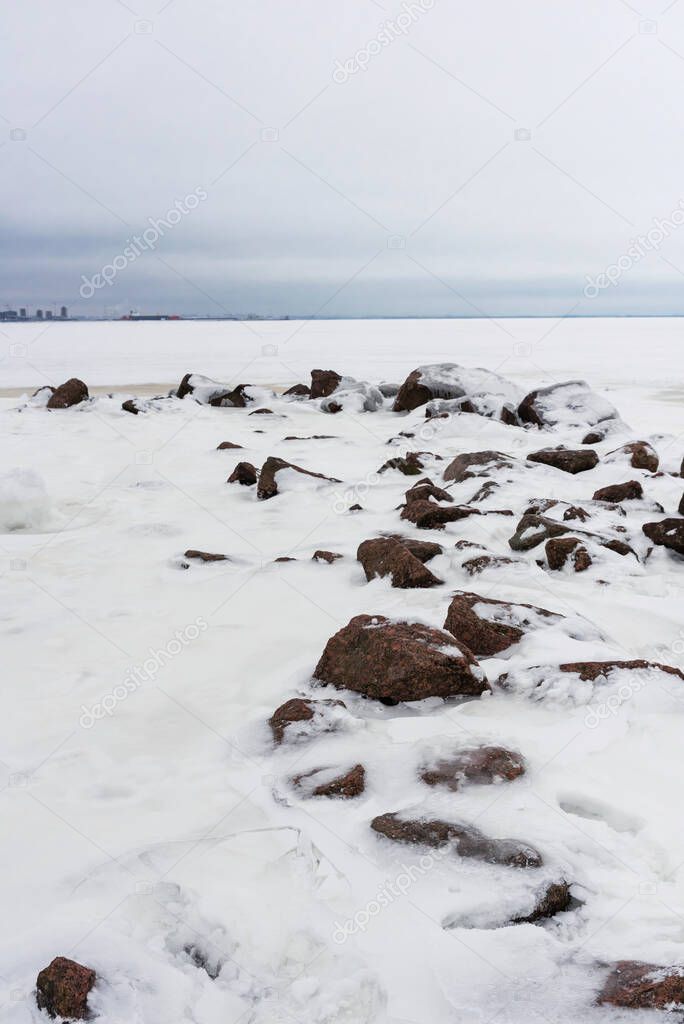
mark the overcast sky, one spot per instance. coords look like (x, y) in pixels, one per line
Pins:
(464, 159)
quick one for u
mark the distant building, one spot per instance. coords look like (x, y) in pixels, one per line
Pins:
(48, 314)
(63, 313)
(8, 314)
(39, 314)
(22, 313)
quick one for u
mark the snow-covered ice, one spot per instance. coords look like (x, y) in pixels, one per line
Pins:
(150, 829)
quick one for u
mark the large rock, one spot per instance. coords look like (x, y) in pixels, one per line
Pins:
(244, 473)
(668, 533)
(629, 491)
(639, 455)
(486, 392)
(211, 392)
(565, 459)
(409, 464)
(569, 405)
(399, 661)
(426, 515)
(533, 530)
(481, 766)
(323, 383)
(561, 549)
(487, 626)
(466, 840)
(62, 989)
(298, 391)
(472, 464)
(300, 717)
(268, 486)
(424, 490)
(639, 986)
(385, 556)
(330, 782)
(72, 392)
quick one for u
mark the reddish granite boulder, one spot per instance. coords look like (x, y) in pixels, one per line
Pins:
(630, 491)
(639, 986)
(488, 636)
(385, 556)
(244, 473)
(466, 840)
(641, 455)
(62, 989)
(325, 556)
(268, 486)
(299, 710)
(424, 490)
(560, 549)
(533, 530)
(299, 390)
(72, 392)
(227, 446)
(668, 533)
(323, 383)
(205, 556)
(346, 786)
(399, 661)
(565, 459)
(426, 515)
(471, 464)
(481, 766)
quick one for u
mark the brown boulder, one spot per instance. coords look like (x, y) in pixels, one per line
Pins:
(325, 556)
(460, 468)
(641, 455)
(466, 840)
(268, 486)
(346, 786)
(565, 459)
(480, 766)
(300, 390)
(424, 490)
(630, 491)
(244, 473)
(593, 670)
(474, 566)
(300, 710)
(262, 412)
(62, 989)
(323, 383)
(428, 516)
(424, 550)
(409, 465)
(560, 549)
(640, 986)
(72, 392)
(399, 661)
(205, 556)
(130, 405)
(486, 637)
(385, 556)
(411, 394)
(668, 533)
(226, 446)
(533, 530)
(555, 899)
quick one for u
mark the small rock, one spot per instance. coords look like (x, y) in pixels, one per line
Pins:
(474, 566)
(424, 550)
(325, 556)
(533, 530)
(72, 392)
(284, 558)
(399, 661)
(299, 389)
(323, 383)
(424, 490)
(346, 786)
(262, 412)
(244, 473)
(130, 405)
(428, 516)
(640, 986)
(500, 625)
(409, 465)
(480, 766)
(565, 459)
(555, 899)
(205, 556)
(460, 468)
(593, 670)
(227, 445)
(466, 840)
(62, 989)
(298, 710)
(630, 491)
(640, 453)
(560, 549)
(268, 486)
(385, 556)
(668, 533)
